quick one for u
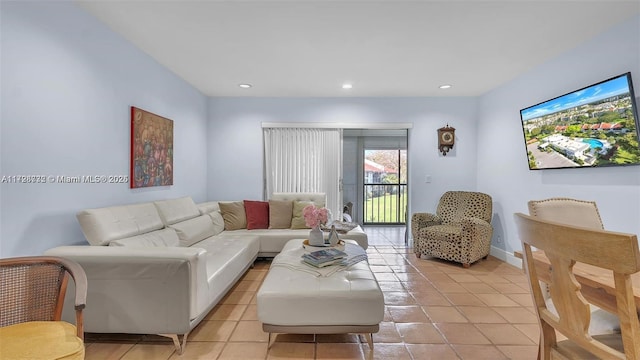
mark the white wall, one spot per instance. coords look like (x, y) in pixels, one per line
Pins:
(502, 163)
(236, 147)
(67, 86)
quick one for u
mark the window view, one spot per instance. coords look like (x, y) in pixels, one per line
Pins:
(385, 186)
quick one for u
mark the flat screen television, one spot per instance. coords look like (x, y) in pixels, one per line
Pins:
(595, 126)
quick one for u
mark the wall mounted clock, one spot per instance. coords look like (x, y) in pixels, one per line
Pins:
(446, 139)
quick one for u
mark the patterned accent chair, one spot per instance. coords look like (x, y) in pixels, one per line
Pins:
(460, 230)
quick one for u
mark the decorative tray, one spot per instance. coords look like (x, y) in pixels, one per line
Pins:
(305, 244)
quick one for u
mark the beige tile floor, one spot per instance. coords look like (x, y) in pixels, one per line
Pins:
(434, 310)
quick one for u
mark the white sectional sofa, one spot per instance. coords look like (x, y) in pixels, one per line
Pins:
(160, 267)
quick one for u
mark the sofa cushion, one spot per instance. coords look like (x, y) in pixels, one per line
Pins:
(218, 222)
(208, 207)
(194, 230)
(158, 238)
(297, 219)
(227, 259)
(320, 199)
(103, 225)
(176, 210)
(233, 215)
(257, 213)
(41, 340)
(280, 214)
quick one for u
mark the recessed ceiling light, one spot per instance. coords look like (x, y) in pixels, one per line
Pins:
(347, 86)
(446, 86)
(245, 86)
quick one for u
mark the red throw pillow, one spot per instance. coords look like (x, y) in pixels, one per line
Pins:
(257, 214)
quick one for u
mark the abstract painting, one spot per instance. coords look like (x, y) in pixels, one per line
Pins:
(151, 149)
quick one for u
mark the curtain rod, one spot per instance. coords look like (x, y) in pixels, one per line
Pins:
(372, 126)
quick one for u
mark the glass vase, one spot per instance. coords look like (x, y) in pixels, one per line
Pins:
(316, 237)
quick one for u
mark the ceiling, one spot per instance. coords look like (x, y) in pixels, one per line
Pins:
(384, 48)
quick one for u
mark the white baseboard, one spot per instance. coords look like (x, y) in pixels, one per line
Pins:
(506, 257)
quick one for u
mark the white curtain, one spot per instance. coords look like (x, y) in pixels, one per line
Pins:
(305, 160)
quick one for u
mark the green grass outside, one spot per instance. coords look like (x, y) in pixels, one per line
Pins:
(386, 205)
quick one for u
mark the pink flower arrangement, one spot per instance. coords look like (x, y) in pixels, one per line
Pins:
(314, 216)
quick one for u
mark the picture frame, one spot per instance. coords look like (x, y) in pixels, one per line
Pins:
(151, 149)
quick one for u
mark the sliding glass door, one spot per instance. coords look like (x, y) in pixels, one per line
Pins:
(384, 186)
(330, 159)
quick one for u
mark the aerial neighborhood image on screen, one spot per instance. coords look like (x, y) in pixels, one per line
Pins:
(593, 126)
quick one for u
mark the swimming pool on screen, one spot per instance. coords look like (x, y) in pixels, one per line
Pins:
(594, 143)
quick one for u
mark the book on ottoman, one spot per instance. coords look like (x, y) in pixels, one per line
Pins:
(324, 257)
(326, 254)
(321, 264)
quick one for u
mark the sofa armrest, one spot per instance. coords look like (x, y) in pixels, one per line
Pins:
(141, 290)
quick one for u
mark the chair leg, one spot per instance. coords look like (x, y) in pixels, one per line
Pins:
(418, 255)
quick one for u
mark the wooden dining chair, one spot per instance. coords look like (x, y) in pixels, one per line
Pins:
(576, 212)
(32, 293)
(582, 213)
(564, 245)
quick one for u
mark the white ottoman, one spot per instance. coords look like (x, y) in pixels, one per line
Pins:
(294, 299)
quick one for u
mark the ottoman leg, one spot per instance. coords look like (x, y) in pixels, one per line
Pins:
(269, 342)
